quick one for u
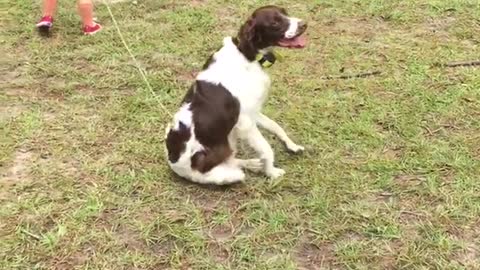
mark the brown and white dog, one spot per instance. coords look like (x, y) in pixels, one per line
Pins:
(224, 105)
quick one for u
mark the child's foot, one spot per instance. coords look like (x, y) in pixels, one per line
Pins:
(45, 23)
(90, 30)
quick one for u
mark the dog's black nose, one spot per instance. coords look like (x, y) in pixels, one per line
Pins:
(302, 26)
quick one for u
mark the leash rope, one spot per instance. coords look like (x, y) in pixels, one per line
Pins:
(137, 64)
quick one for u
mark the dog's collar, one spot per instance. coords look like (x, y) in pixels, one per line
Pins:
(267, 59)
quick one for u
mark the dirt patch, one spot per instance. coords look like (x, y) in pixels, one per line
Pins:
(437, 27)
(207, 202)
(469, 256)
(393, 153)
(196, 3)
(312, 257)
(10, 112)
(211, 198)
(33, 92)
(10, 76)
(408, 180)
(129, 239)
(66, 167)
(17, 172)
(78, 258)
(13, 77)
(125, 235)
(218, 252)
(476, 153)
(16, 92)
(221, 233)
(469, 253)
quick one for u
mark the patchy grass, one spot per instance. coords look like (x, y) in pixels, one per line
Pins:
(390, 181)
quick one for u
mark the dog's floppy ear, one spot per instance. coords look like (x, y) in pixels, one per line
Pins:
(247, 38)
(247, 32)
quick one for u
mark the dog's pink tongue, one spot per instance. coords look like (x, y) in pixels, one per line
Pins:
(300, 41)
(297, 42)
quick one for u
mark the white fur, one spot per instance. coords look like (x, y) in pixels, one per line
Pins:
(183, 115)
(249, 84)
(292, 28)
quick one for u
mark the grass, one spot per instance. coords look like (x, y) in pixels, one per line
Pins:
(390, 180)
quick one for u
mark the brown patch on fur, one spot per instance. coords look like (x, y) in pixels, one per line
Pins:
(204, 161)
(215, 112)
(176, 142)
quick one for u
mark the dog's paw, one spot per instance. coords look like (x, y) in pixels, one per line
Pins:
(295, 148)
(275, 172)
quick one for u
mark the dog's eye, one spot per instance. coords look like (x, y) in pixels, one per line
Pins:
(277, 22)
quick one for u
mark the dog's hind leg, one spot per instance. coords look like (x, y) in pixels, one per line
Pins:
(223, 174)
(254, 164)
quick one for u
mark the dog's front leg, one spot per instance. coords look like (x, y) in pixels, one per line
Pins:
(276, 129)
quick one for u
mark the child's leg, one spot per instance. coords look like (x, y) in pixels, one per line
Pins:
(85, 9)
(46, 22)
(49, 7)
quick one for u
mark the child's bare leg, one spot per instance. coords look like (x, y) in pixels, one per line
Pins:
(85, 9)
(49, 7)
(46, 22)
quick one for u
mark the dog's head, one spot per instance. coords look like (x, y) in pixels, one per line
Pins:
(270, 26)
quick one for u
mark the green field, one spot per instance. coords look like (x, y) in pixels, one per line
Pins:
(390, 180)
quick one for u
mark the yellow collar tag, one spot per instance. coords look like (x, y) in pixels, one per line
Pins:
(268, 59)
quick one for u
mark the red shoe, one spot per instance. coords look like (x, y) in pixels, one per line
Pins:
(45, 23)
(90, 30)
